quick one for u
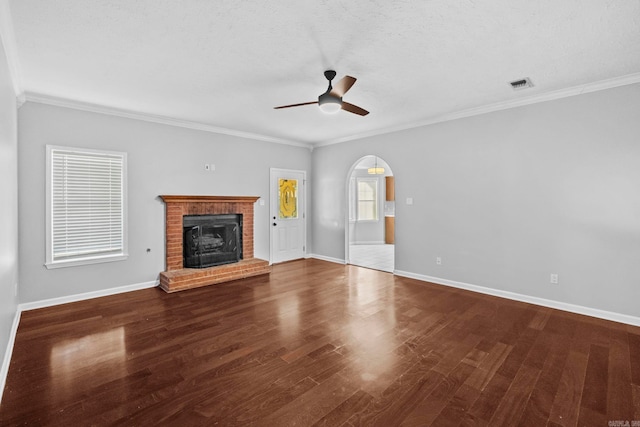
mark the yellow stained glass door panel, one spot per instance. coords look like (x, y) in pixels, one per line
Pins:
(288, 198)
(288, 228)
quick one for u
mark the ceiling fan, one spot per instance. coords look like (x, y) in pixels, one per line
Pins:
(331, 101)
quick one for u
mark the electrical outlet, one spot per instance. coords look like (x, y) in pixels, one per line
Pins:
(409, 200)
(438, 260)
(553, 279)
(212, 167)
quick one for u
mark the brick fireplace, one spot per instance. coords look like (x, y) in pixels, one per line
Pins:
(176, 277)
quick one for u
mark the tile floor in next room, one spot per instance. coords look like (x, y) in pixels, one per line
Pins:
(379, 257)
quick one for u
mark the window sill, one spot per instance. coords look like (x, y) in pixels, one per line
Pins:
(85, 261)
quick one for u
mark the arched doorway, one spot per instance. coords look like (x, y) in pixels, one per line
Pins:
(369, 240)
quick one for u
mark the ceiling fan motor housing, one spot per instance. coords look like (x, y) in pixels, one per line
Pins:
(329, 103)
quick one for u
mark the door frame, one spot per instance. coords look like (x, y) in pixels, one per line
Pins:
(273, 207)
(347, 255)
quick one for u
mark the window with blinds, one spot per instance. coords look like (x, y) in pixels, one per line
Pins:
(367, 199)
(86, 209)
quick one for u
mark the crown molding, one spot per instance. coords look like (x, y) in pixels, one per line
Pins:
(628, 79)
(8, 40)
(505, 105)
(100, 109)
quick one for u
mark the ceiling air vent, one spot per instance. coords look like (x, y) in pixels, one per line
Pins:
(521, 84)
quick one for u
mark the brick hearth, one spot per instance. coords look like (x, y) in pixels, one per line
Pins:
(178, 278)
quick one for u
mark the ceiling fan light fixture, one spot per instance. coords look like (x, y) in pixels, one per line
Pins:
(329, 104)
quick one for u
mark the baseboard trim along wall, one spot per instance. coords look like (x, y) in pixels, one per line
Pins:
(7, 354)
(88, 295)
(572, 308)
(326, 258)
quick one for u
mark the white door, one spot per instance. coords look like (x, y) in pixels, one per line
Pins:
(288, 222)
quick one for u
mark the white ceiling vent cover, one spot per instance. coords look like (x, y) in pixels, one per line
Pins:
(521, 84)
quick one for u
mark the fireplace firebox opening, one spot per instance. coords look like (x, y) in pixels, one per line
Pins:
(210, 240)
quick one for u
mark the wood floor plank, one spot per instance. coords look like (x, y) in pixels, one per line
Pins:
(521, 348)
(634, 354)
(596, 382)
(636, 401)
(541, 318)
(425, 408)
(561, 323)
(318, 343)
(488, 367)
(589, 417)
(619, 391)
(274, 398)
(512, 405)
(566, 403)
(589, 332)
(418, 379)
(313, 405)
(485, 406)
(457, 408)
(537, 411)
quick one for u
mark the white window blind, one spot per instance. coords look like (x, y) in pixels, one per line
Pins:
(86, 206)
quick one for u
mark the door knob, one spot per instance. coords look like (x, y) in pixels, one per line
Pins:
(274, 224)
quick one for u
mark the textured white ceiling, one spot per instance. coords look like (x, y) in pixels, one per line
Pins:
(227, 63)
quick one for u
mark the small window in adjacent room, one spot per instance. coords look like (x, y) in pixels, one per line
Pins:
(367, 199)
(86, 206)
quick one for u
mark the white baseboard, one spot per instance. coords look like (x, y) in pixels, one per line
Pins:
(572, 308)
(88, 295)
(9, 352)
(326, 258)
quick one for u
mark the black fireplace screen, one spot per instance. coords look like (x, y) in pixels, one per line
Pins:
(210, 240)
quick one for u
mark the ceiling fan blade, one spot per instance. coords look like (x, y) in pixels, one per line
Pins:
(354, 109)
(295, 105)
(343, 86)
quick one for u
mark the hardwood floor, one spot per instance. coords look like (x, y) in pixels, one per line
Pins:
(317, 343)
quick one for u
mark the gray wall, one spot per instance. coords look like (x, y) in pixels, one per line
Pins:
(8, 204)
(509, 197)
(161, 160)
(504, 198)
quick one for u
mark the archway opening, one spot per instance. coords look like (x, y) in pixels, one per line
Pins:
(370, 230)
